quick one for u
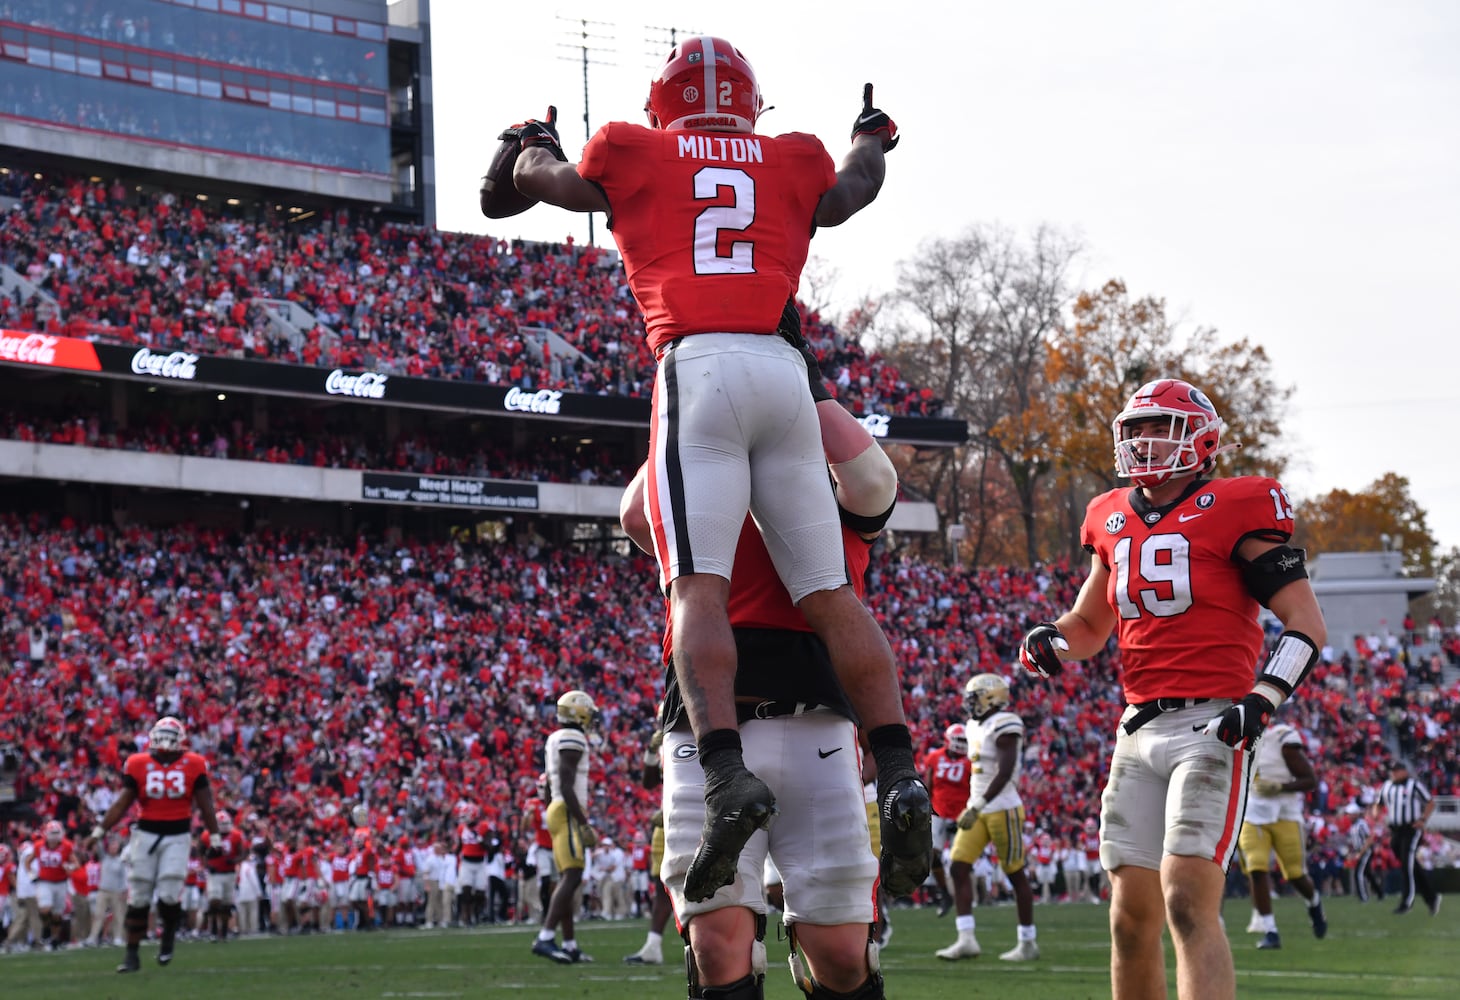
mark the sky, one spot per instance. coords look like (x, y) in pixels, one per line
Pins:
(1287, 173)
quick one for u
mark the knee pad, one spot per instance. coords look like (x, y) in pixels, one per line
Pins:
(870, 990)
(136, 919)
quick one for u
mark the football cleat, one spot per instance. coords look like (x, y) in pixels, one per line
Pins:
(547, 949)
(1270, 942)
(734, 811)
(131, 963)
(1024, 951)
(1254, 926)
(965, 947)
(165, 947)
(645, 956)
(1319, 921)
(1434, 906)
(577, 955)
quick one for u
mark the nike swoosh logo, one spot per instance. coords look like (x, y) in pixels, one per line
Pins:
(866, 118)
(1183, 518)
(823, 754)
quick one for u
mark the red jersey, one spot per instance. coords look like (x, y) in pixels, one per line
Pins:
(472, 841)
(948, 781)
(53, 863)
(698, 255)
(233, 847)
(639, 858)
(1186, 623)
(542, 836)
(1043, 853)
(165, 790)
(196, 878)
(385, 873)
(1090, 844)
(758, 598)
(339, 867)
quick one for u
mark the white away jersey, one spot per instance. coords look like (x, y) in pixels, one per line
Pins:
(983, 755)
(568, 739)
(1269, 765)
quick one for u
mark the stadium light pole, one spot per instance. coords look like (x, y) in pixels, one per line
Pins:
(586, 33)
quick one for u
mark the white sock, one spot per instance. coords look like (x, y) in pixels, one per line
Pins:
(1027, 933)
(964, 923)
(570, 944)
(546, 935)
(1269, 923)
(1316, 898)
(654, 940)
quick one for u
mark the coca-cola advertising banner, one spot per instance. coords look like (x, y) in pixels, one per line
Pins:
(449, 491)
(370, 387)
(26, 347)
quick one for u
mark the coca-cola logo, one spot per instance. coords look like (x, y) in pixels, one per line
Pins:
(30, 349)
(876, 424)
(178, 364)
(542, 401)
(366, 385)
(27, 347)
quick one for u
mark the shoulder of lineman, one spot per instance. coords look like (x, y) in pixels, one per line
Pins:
(1001, 723)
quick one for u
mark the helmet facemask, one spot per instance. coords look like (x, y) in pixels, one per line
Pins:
(1169, 428)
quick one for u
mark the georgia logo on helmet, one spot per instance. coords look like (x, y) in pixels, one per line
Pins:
(167, 735)
(956, 738)
(225, 822)
(706, 85)
(1192, 440)
(985, 694)
(576, 708)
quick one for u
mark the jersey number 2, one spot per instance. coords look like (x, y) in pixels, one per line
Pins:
(1163, 560)
(166, 784)
(736, 216)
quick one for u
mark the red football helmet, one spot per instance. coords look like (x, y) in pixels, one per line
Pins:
(167, 735)
(1190, 443)
(956, 739)
(53, 832)
(706, 85)
(225, 822)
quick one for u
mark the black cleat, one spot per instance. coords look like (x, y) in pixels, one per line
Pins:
(131, 963)
(1270, 942)
(577, 955)
(548, 949)
(165, 947)
(1318, 920)
(734, 811)
(945, 903)
(906, 814)
(1435, 904)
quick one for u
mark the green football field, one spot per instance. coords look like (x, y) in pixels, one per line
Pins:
(1368, 953)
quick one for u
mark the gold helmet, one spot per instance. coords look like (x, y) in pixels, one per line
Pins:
(576, 708)
(985, 694)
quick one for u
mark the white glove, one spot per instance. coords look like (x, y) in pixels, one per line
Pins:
(969, 816)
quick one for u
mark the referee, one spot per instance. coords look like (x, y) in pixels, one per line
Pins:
(1409, 805)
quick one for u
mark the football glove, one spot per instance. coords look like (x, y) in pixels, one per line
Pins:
(873, 122)
(1037, 651)
(1266, 787)
(97, 832)
(590, 835)
(970, 816)
(538, 133)
(1242, 723)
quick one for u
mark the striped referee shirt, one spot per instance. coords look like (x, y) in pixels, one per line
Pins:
(1404, 800)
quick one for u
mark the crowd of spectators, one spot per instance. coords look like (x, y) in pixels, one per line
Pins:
(319, 673)
(302, 442)
(159, 269)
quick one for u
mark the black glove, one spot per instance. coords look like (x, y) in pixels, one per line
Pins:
(790, 329)
(1241, 724)
(214, 851)
(1037, 651)
(538, 133)
(872, 121)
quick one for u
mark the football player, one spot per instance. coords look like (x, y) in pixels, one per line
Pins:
(168, 782)
(1281, 775)
(1179, 566)
(221, 857)
(946, 770)
(471, 847)
(567, 819)
(56, 859)
(714, 223)
(994, 815)
(799, 735)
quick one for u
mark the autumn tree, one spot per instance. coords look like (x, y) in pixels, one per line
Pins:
(971, 319)
(1340, 521)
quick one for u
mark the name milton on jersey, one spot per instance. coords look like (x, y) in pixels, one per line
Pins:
(720, 148)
